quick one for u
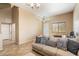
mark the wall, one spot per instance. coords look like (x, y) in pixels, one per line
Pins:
(29, 25)
(67, 18)
(76, 19)
(1, 42)
(15, 20)
(5, 15)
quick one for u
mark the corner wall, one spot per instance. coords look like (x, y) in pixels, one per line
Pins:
(15, 20)
(76, 19)
(29, 26)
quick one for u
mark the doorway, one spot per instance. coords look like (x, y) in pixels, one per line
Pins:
(8, 33)
(6, 30)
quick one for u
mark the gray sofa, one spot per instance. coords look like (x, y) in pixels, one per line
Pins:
(50, 51)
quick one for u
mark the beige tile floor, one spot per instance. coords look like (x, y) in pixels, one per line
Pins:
(15, 50)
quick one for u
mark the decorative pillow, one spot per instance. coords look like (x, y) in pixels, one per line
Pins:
(52, 42)
(62, 43)
(38, 39)
(73, 46)
(41, 40)
(44, 40)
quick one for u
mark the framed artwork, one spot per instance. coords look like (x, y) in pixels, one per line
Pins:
(59, 27)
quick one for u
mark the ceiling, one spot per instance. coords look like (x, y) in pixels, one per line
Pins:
(49, 9)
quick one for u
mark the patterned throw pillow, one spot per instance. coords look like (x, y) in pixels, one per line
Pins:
(62, 44)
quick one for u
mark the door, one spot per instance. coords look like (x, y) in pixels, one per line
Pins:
(6, 31)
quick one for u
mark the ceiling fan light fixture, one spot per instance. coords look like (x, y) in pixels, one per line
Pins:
(38, 5)
(35, 5)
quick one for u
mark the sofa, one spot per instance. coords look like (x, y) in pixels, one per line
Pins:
(48, 50)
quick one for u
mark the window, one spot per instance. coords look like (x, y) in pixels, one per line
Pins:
(59, 27)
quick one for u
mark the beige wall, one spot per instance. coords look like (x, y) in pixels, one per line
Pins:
(29, 26)
(67, 18)
(15, 20)
(76, 19)
(5, 15)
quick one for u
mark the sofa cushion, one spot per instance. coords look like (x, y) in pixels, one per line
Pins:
(51, 51)
(73, 46)
(62, 43)
(37, 46)
(64, 53)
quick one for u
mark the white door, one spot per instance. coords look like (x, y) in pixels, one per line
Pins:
(6, 31)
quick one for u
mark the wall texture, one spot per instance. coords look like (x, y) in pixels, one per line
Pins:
(76, 19)
(67, 18)
(5, 15)
(29, 25)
